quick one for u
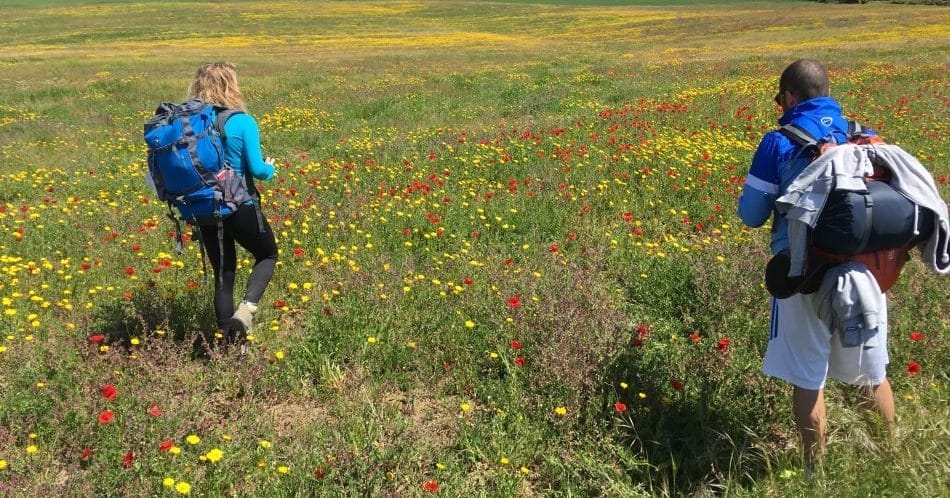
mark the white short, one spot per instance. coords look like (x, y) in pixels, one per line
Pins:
(803, 352)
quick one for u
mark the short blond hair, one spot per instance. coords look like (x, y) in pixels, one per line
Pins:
(216, 83)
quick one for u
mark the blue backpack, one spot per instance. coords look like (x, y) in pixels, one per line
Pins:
(186, 162)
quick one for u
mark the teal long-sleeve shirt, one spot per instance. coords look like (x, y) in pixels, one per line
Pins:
(242, 148)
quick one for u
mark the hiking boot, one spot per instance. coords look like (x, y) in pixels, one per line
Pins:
(242, 319)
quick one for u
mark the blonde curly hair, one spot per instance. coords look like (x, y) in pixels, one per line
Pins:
(216, 83)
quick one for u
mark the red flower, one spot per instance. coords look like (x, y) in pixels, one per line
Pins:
(515, 345)
(154, 410)
(916, 336)
(431, 486)
(554, 248)
(620, 407)
(127, 459)
(135, 248)
(319, 472)
(643, 330)
(677, 385)
(191, 284)
(129, 271)
(913, 368)
(85, 266)
(165, 445)
(519, 361)
(695, 337)
(106, 417)
(298, 252)
(509, 262)
(514, 302)
(97, 339)
(86, 453)
(280, 303)
(571, 236)
(723, 344)
(109, 392)
(628, 216)
(468, 281)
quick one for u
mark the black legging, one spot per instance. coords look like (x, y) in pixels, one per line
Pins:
(241, 227)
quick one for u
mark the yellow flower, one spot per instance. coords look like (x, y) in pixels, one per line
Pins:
(560, 411)
(135, 341)
(279, 355)
(524, 470)
(31, 449)
(440, 466)
(214, 455)
(371, 340)
(624, 385)
(465, 407)
(183, 488)
(265, 443)
(193, 439)
(283, 469)
(504, 461)
(469, 323)
(168, 482)
(174, 450)
(3, 464)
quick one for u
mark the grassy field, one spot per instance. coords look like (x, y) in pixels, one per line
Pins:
(510, 260)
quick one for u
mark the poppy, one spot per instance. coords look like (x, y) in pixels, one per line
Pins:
(514, 302)
(109, 392)
(431, 486)
(127, 459)
(86, 453)
(154, 410)
(913, 368)
(916, 336)
(519, 361)
(106, 417)
(515, 345)
(723, 345)
(165, 445)
(97, 339)
(619, 407)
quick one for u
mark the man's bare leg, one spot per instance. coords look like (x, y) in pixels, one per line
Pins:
(880, 398)
(808, 407)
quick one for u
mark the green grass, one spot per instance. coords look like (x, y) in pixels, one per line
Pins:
(584, 160)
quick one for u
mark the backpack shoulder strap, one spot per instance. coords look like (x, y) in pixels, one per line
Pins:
(801, 137)
(222, 119)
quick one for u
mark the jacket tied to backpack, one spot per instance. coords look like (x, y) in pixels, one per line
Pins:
(845, 167)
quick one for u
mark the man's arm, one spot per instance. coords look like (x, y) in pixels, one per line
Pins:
(761, 185)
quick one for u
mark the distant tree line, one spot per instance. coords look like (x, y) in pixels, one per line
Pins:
(916, 2)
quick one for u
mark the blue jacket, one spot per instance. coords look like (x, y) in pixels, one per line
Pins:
(779, 160)
(242, 148)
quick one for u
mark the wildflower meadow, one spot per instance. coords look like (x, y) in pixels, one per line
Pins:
(510, 260)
